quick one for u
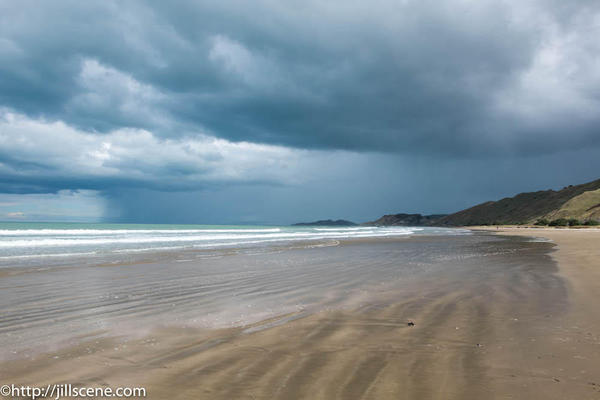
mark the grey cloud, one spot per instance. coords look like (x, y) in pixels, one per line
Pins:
(38, 156)
(448, 78)
(360, 189)
(254, 113)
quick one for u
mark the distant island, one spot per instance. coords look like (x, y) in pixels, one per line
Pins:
(326, 222)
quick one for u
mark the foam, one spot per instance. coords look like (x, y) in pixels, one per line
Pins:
(101, 232)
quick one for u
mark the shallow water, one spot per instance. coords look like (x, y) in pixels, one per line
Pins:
(43, 307)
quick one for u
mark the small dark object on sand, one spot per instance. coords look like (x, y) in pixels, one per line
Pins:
(410, 323)
(479, 345)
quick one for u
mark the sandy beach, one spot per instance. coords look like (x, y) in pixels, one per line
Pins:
(307, 200)
(523, 324)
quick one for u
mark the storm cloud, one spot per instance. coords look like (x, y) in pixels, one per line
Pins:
(191, 96)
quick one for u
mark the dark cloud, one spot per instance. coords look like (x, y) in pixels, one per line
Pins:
(361, 190)
(351, 109)
(451, 78)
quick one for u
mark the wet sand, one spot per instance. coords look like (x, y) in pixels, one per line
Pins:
(521, 324)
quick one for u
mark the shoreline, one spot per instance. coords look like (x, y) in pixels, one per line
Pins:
(470, 341)
(577, 255)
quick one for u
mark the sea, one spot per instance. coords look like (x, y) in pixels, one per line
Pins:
(25, 244)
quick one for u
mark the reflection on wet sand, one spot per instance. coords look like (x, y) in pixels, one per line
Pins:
(492, 319)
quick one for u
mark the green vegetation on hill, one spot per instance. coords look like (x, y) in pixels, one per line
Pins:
(586, 206)
(579, 202)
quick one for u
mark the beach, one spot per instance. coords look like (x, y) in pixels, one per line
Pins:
(504, 314)
(322, 200)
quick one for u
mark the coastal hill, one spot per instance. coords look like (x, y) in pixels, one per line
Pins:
(581, 202)
(326, 222)
(406, 220)
(576, 202)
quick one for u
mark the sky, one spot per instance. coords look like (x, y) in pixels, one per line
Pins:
(226, 112)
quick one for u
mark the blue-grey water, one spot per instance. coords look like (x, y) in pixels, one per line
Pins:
(25, 244)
